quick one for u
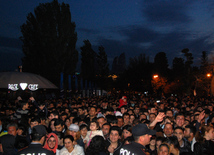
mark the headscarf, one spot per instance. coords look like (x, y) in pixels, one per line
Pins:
(46, 142)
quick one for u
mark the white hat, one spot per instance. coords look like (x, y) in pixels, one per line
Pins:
(73, 127)
(118, 113)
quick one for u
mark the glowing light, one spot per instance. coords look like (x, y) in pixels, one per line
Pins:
(155, 76)
(13, 87)
(33, 87)
(23, 86)
(208, 75)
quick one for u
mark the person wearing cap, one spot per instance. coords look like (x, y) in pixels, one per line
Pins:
(73, 130)
(142, 135)
(123, 101)
(36, 146)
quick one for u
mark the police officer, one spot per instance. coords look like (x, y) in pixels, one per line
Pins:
(142, 137)
(36, 146)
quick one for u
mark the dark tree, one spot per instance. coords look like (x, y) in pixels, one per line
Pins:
(88, 61)
(161, 64)
(204, 63)
(178, 67)
(102, 62)
(115, 65)
(49, 41)
(121, 63)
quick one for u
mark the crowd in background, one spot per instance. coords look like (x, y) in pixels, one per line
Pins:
(103, 125)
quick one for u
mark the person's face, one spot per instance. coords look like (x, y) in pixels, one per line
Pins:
(92, 112)
(84, 131)
(123, 110)
(142, 117)
(93, 126)
(187, 132)
(68, 144)
(59, 128)
(26, 106)
(71, 119)
(106, 129)
(153, 110)
(12, 130)
(168, 130)
(179, 134)
(32, 124)
(126, 133)
(179, 121)
(51, 142)
(169, 114)
(152, 142)
(80, 111)
(210, 134)
(72, 133)
(101, 121)
(19, 132)
(63, 117)
(51, 117)
(163, 151)
(158, 143)
(67, 122)
(136, 110)
(52, 126)
(147, 139)
(151, 117)
(114, 136)
(126, 119)
(132, 118)
(120, 122)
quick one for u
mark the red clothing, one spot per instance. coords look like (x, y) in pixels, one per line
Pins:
(122, 102)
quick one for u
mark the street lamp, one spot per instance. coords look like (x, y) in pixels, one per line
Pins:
(155, 76)
(209, 75)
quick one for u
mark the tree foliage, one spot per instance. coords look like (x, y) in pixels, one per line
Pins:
(161, 64)
(88, 61)
(49, 41)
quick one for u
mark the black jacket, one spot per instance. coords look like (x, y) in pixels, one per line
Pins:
(35, 149)
(186, 147)
(117, 150)
(206, 148)
(133, 149)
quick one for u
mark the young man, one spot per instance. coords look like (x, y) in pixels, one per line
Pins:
(142, 137)
(184, 145)
(112, 143)
(189, 134)
(22, 111)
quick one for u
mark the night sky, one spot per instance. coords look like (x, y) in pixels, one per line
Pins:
(130, 26)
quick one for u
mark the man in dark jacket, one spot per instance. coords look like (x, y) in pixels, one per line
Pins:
(142, 136)
(112, 143)
(36, 146)
(184, 144)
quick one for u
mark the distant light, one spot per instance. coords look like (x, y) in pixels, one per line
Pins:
(208, 75)
(155, 76)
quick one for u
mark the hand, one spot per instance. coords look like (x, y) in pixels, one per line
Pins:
(201, 116)
(111, 149)
(159, 117)
(32, 98)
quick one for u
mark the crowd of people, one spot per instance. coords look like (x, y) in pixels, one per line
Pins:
(108, 125)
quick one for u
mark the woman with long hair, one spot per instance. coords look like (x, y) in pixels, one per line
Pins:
(204, 144)
(97, 146)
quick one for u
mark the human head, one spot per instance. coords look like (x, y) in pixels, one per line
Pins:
(68, 142)
(127, 131)
(12, 129)
(114, 134)
(35, 121)
(163, 149)
(179, 119)
(168, 129)
(92, 111)
(94, 126)
(152, 109)
(73, 130)
(101, 121)
(51, 142)
(38, 133)
(24, 104)
(123, 109)
(120, 121)
(142, 134)
(179, 133)
(83, 129)
(106, 129)
(53, 114)
(189, 131)
(97, 145)
(59, 125)
(173, 143)
(126, 118)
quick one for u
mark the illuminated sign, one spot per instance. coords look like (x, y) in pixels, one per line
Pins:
(23, 86)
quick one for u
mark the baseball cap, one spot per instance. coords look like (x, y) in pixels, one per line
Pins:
(40, 129)
(73, 127)
(142, 129)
